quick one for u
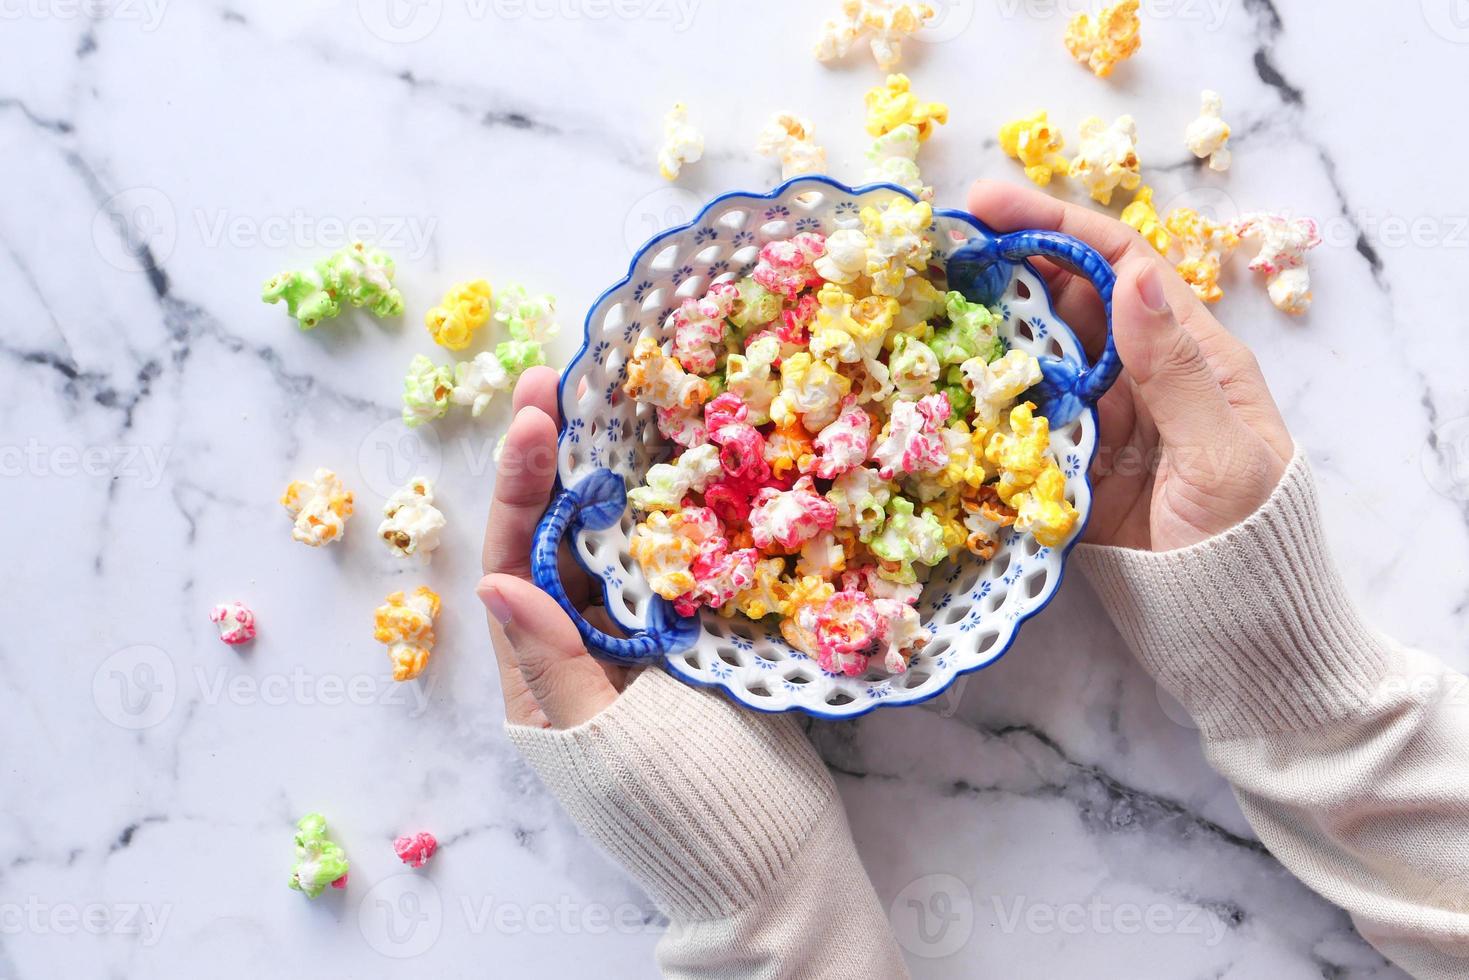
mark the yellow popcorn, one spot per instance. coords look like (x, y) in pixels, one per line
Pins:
(884, 23)
(1020, 454)
(894, 104)
(465, 309)
(849, 330)
(1037, 146)
(1208, 135)
(792, 138)
(749, 376)
(1107, 157)
(1203, 246)
(682, 142)
(898, 243)
(1044, 511)
(1112, 37)
(920, 302)
(811, 389)
(806, 594)
(406, 625)
(1143, 218)
(967, 465)
(657, 379)
(768, 594)
(319, 507)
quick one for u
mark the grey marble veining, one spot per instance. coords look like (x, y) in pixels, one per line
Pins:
(1054, 817)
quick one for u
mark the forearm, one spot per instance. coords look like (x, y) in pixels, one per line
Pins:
(731, 823)
(1346, 753)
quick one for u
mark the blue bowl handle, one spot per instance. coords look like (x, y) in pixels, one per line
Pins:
(598, 502)
(982, 268)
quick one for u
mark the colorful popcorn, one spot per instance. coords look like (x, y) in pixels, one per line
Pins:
(1208, 135)
(356, 275)
(893, 104)
(414, 850)
(427, 388)
(411, 523)
(682, 142)
(843, 424)
(792, 139)
(1203, 245)
(1107, 158)
(319, 507)
(883, 23)
(319, 861)
(1111, 37)
(405, 623)
(1037, 146)
(1284, 242)
(893, 159)
(465, 309)
(235, 621)
(1143, 218)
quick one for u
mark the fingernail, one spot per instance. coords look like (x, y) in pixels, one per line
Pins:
(497, 605)
(1150, 288)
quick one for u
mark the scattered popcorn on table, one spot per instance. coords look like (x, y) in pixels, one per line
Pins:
(842, 425)
(411, 523)
(893, 159)
(893, 104)
(1203, 246)
(405, 623)
(414, 850)
(1208, 135)
(320, 508)
(1143, 218)
(792, 139)
(1107, 158)
(426, 391)
(235, 621)
(1284, 242)
(477, 381)
(682, 143)
(1111, 37)
(465, 309)
(883, 23)
(356, 275)
(1037, 145)
(319, 861)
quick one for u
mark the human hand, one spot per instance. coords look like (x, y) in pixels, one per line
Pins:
(546, 675)
(1190, 441)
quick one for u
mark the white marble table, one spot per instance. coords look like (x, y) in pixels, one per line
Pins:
(1056, 820)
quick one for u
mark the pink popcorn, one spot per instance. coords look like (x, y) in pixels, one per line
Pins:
(699, 326)
(844, 443)
(1284, 242)
(787, 267)
(719, 576)
(741, 446)
(682, 426)
(901, 633)
(791, 517)
(235, 621)
(913, 441)
(847, 628)
(414, 850)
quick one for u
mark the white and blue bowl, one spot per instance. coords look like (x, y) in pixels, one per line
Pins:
(609, 441)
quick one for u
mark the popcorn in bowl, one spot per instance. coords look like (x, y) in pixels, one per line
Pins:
(837, 447)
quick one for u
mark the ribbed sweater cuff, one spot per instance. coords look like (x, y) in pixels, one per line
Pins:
(1252, 630)
(706, 805)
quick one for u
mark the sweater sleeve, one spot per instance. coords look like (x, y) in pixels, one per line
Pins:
(1347, 753)
(730, 822)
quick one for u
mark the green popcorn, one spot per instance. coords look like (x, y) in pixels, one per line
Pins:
(906, 539)
(913, 367)
(972, 332)
(526, 317)
(754, 305)
(961, 402)
(355, 274)
(517, 356)
(307, 299)
(319, 861)
(426, 391)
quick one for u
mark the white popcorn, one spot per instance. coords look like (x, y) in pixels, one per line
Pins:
(668, 483)
(1284, 242)
(320, 508)
(996, 386)
(477, 381)
(1107, 157)
(682, 143)
(893, 159)
(411, 523)
(1208, 135)
(846, 256)
(884, 23)
(792, 138)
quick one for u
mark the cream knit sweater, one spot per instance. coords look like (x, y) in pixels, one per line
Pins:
(1349, 756)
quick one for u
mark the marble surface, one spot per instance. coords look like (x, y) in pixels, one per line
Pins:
(1055, 818)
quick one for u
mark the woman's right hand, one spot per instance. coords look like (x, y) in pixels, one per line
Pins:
(1191, 442)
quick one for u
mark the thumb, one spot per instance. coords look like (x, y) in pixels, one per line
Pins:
(564, 680)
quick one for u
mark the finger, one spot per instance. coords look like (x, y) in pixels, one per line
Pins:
(1011, 207)
(523, 482)
(532, 631)
(539, 386)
